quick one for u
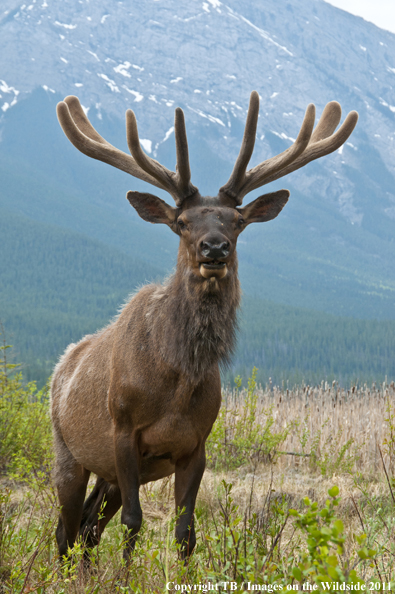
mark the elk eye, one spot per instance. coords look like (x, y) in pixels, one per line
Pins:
(181, 224)
(241, 221)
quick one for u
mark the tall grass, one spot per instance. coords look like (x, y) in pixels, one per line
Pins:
(325, 428)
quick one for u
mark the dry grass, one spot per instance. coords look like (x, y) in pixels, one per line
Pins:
(330, 416)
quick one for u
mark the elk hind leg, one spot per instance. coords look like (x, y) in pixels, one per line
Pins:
(104, 501)
(71, 480)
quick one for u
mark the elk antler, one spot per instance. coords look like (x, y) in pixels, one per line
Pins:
(82, 134)
(308, 146)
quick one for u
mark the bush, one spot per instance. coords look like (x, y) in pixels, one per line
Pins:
(25, 428)
(238, 436)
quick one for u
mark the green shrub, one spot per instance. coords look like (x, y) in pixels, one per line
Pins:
(25, 429)
(324, 536)
(239, 437)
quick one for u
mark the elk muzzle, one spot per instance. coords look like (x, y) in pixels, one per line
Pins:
(215, 253)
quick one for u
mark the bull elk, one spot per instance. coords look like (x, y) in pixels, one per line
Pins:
(136, 401)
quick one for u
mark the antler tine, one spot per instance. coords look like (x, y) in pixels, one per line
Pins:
(80, 119)
(247, 146)
(256, 176)
(328, 121)
(183, 169)
(84, 137)
(317, 149)
(150, 166)
(178, 185)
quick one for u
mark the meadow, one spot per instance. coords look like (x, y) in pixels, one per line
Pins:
(298, 494)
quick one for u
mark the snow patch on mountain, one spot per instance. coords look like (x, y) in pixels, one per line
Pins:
(146, 144)
(65, 26)
(123, 69)
(137, 96)
(110, 83)
(207, 116)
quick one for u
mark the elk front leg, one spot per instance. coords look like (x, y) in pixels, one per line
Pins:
(188, 475)
(127, 465)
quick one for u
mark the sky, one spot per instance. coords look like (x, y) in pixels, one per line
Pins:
(379, 12)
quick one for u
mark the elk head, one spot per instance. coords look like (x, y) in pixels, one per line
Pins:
(209, 226)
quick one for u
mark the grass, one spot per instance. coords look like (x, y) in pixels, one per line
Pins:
(298, 490)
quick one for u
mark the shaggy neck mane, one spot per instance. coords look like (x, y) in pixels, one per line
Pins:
(193, 322)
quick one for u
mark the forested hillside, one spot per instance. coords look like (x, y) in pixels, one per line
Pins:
(298, 345)
(57, 286)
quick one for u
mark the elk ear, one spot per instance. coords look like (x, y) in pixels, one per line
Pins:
(264, 208)
(151, 208)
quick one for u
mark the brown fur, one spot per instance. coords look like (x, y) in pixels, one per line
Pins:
(204, 316)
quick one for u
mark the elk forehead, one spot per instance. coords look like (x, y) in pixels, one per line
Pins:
(202, 218)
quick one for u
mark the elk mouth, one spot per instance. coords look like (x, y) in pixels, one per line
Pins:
(213, 265)
(214, 268)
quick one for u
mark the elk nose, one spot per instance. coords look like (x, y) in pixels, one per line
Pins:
(214, 250)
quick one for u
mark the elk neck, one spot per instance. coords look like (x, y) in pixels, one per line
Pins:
(194, 320)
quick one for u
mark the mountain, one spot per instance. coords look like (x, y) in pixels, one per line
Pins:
(331, 249)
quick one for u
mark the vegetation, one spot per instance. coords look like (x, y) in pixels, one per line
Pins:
(298, 491)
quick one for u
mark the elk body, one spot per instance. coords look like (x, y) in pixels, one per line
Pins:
(137, 401)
